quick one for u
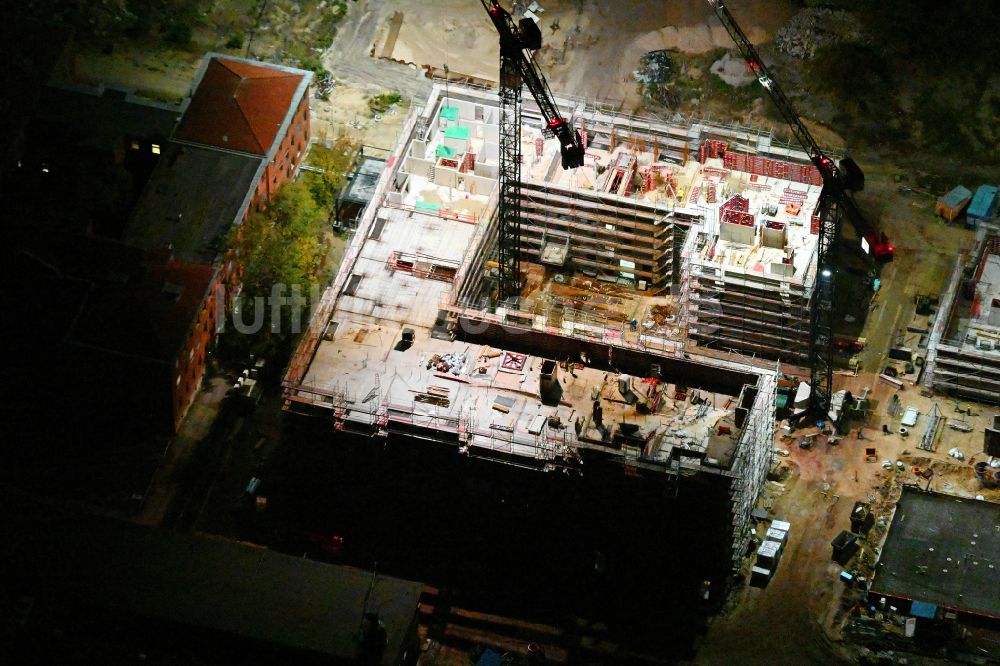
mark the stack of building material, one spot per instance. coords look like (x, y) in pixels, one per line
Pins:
(770, 551)
(447, 363)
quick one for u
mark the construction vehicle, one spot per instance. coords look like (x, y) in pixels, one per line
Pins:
(517, 69)
(836, 202)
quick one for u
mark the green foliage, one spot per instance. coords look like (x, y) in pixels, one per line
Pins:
(282, 244)
(178, 33)
(381, 103)
(315, 65)
(235, 41)
(332, 15)
(336, 162)
(657, 77)
(922, 84)
(931, 33)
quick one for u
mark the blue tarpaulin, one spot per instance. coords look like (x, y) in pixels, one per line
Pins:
(923, 609)
(489, 658)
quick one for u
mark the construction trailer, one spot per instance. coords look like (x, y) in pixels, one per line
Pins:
(983, 206)
(674, 243)
(953, 204)
(647, 191)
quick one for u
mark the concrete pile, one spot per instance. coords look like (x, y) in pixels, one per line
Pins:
(815, 27)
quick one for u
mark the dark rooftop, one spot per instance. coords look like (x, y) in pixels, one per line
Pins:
(365, 178)
(103, 119)
(150, 316)
(128, 301)
(238, 590)
(193, 198)
(942, 550)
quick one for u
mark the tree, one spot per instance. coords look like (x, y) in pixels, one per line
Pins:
(282, 246)
(335, 162)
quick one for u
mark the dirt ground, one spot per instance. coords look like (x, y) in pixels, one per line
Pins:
(346, 113)
(580, 37)
(803, 601)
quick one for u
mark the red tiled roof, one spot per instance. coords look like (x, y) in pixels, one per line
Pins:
(239, 106)
(172, 314)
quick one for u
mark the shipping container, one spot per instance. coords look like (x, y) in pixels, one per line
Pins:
(774, 534)
(759, 576)
(983, 206)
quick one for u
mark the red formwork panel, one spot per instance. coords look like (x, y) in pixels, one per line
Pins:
(716, 148)
(737, 203)
(738, 217)
(762, 166)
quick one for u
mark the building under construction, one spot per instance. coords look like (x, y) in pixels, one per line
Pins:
(659, 284)
(963, 356)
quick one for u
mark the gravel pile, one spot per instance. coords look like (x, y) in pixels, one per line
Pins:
(815, 27)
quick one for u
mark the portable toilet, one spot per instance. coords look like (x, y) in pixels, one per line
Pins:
(983, 206)
(951, 205)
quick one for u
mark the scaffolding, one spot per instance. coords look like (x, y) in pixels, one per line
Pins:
(964, 349)
(754, 456)
(660, 238)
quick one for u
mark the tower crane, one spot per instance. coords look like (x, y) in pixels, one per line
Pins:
(837, 200)
(518, 68)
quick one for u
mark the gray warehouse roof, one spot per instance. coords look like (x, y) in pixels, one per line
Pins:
(942, 550)
(236, 589)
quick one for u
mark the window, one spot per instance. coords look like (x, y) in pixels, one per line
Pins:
(155, 148)
(135, 145)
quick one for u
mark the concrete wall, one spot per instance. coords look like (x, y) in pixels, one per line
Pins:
(630, 361)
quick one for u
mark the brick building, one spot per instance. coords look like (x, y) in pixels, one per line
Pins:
(251, 108)
(127, 328)
(126, 311)
(242, 135)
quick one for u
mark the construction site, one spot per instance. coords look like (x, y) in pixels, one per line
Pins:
(672, 242)
(964, 350)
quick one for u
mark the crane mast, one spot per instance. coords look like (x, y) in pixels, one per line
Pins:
(836, 201)
(517, 69)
